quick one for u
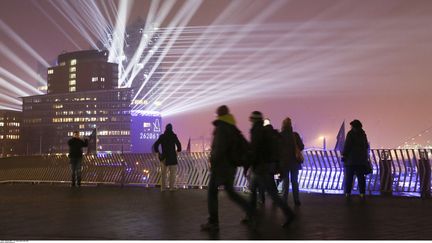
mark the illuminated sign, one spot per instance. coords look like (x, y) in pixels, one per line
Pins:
(145, 130)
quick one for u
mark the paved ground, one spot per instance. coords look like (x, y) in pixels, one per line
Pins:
(41, 212)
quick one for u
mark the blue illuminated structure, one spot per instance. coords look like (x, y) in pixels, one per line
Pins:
(145, 130)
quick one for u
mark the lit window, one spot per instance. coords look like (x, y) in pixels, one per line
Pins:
(73, 62)
(62, 63)
(72, 82)
(72, 69)
(102, 79)
(72, 75)
(50, 71)
(1, 124)
(94, 79)
(72, 89)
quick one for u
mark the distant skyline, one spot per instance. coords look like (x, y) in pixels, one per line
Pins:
(341, 60)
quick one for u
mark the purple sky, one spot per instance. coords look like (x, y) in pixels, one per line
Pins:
(378, 69)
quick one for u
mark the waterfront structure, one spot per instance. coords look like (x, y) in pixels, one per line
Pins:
(10, 124)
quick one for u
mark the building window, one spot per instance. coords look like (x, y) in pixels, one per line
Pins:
(72, 69)
(50, 71)
(72, 89)
(72, 75)
(72, 82)
(95, 79)
(102, 79)
(62, 63)
(73, 62)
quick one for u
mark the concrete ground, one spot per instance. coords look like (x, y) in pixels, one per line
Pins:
(58, 212)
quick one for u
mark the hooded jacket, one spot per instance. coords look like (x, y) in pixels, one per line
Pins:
(223, 133)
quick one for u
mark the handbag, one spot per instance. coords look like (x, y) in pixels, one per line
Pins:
(298, 154)
(368, 167)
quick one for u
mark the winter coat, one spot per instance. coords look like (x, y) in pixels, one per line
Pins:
(75, 147)
(356, 148)
(287, 153)
(169, 141)
(221, 165)
(259, 148)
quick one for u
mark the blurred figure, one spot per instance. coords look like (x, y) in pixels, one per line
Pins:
(355, 157)
(290, 143)
(260, 166)
(168, 157)
(222, 168)
(75, 156)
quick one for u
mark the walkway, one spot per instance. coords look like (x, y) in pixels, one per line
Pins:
(135, 213)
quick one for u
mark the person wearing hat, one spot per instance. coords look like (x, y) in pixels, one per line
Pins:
(355, 157)
(168, 157)
(261, 175)
(222, 168)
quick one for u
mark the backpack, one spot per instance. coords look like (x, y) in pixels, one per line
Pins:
(239, 149)
(273, 150)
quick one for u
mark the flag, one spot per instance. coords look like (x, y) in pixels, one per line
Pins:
(340, 139)
(92, 143)
(188, 148)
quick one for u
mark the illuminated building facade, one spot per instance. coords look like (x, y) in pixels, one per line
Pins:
(82, 71)
(82, 95)
(10, 124)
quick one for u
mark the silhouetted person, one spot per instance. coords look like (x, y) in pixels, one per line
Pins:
(355, 157)
(168, 157)
(290, 142)
(261, 175)
(222, 168)
(75, 156)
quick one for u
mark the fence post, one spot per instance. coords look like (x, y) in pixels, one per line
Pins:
(425, 175)
(385, 173)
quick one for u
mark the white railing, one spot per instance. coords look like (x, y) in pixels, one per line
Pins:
(394, 170)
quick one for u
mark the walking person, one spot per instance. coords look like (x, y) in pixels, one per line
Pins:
(355, 157)
(168, 157)
(222, 168)
(76, 143)
(291, 144)
(261, 168)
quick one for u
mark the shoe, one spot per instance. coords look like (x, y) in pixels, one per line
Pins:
(288, 221)
(210, 227)
(297, 203)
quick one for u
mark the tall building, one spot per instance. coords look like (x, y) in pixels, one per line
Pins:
(82, 95)
(82, 71)
(10, 123)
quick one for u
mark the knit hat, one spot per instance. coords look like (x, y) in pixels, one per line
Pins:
(169, 127)
(256, 115)
(356, 124)
(222, 110)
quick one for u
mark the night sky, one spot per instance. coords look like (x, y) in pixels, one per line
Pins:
(377, 68)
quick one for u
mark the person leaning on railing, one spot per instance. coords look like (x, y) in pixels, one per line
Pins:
(355, 158)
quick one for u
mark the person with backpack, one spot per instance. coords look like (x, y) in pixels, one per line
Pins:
(261, 176)
(291, 146)
(225, 156)
(168, 157)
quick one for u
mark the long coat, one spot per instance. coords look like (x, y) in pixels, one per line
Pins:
(221, 165)
(169, 142)
(356, 148)
(287, 150)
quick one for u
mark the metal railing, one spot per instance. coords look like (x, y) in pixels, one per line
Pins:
(394, 170)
